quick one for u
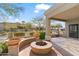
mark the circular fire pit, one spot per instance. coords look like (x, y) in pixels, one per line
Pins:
(41, 47)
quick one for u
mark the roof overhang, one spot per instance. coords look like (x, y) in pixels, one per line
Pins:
(63, 11)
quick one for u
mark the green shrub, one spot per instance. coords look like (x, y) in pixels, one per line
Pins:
(31, 34)
(42, 35)
(3, 48)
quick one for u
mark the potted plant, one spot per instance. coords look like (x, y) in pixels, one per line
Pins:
(42, 35)
(41, 38)
(3, 48)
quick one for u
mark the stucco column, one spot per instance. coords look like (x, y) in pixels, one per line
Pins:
(67, 29)
(47, 28)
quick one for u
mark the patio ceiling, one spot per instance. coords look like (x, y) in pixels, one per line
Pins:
(65, 12)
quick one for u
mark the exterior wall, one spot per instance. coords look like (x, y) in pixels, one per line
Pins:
(1, 26)
(67, 26)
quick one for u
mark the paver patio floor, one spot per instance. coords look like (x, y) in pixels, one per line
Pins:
(69, 44)
(26, 51)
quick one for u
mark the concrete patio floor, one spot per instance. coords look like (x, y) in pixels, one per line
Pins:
(26, 51)
(67, 46)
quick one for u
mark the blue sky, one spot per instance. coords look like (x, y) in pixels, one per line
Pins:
(32, 10)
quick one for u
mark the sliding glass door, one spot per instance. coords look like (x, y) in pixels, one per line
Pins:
(74, 30)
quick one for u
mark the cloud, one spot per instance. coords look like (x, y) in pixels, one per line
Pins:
(11, 19)
(40, 7)
(17, 19)
(36, 11)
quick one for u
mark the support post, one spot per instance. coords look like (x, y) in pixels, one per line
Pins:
(47, 28)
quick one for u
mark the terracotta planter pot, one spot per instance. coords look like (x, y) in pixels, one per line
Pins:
(13, 41)
(41, 49)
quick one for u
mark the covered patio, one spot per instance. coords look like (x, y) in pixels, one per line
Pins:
(69, 13)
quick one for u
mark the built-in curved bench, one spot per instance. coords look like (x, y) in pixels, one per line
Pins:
(16, 44)
(25, 41)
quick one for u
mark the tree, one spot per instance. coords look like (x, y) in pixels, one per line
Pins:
(7, 10)
(28, 26)
(23, 22)
(38, 21)
(10, 9)
(25, 26)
